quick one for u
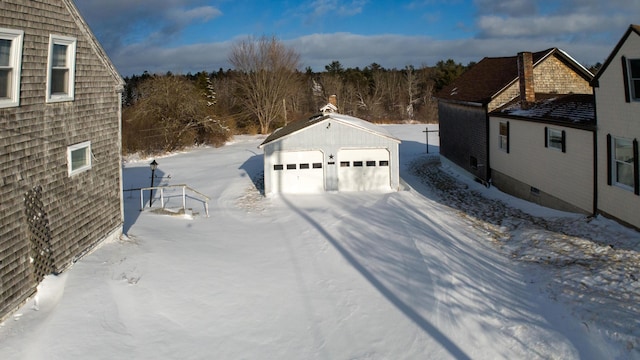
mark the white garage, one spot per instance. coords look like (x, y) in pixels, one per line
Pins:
(298, 171)
(363, 169)
(331, 152)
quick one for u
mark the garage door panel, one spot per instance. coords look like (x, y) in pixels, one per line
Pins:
(363, 169)
(298, 172)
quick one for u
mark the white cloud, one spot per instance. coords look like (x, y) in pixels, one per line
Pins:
(337, 7)
(495, 26)
(318, 50)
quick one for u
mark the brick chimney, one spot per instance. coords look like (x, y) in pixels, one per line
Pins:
(525, 75)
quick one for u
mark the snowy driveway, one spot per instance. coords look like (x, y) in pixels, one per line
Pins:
(334, 276)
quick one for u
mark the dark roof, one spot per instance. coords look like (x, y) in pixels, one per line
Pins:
(566, 109)
(632, 29)
(345, 119)
(486, 79)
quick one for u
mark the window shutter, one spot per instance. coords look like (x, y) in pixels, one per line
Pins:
(564, 141)
(546, 136)
(625, 76)
(508, 138)
(609, 164)
(636, 176)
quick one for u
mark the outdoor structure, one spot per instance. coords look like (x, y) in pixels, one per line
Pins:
(465, 104)
(330, 152)
(543, 152)
(60, 168)
(617, 96)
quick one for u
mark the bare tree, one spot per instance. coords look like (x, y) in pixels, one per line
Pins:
(266, 75)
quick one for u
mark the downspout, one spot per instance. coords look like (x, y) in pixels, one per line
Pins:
(595, 154)
(487, 141)
(120, 91)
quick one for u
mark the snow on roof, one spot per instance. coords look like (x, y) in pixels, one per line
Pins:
(345, 119)
(572, 108)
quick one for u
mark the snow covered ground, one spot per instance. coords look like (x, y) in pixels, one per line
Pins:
(444, 269)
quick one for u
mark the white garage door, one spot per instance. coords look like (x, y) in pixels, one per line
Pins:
(363, 169)
(297, 172)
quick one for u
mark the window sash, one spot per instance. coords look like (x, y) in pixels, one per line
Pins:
(10, 58)
(634, 78)
(5, 52)
(61, 75)
(623, 160)
(79, 157)
(554, 139)
(5, 83)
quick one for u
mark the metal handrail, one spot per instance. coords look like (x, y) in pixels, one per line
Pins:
(184, 196)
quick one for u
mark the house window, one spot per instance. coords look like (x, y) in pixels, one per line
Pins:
(357, 163)
(317, 165)
(278, 167)
(383, 163)
(622, 158)
(79, 157)
(344, 164)
(371, 163)
(291, 166)
(304, 166)
(503, 141)
(473, 162)
(10, 57)
(634, 78)
(61, 69)
(555, 139)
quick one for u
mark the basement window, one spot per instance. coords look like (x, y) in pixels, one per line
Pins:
(344, 164)
(473, 162)
(383, 163)
(79, 158)
(304, 166)
(278, 167)
(357, 163)
(317, 165)
(291, 166)
(371, 163)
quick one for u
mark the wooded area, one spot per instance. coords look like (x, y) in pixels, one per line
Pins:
(264, 91)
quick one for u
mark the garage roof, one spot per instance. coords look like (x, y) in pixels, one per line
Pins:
(299, 125)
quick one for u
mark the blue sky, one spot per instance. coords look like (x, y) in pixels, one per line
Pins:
(193, 35)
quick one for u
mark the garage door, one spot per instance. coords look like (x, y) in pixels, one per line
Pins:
(363, 169)
(297, 172)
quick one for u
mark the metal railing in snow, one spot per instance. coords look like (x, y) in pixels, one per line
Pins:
(205, 199)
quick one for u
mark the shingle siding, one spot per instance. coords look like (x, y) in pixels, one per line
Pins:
(80, 210)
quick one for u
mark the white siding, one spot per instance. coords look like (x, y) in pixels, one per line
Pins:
(618, 118)
(329, 137)
(567, 176)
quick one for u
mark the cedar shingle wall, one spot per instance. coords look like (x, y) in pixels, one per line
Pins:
(550, 76)
(78, 210)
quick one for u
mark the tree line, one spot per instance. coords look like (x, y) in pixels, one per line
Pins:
(264, 91)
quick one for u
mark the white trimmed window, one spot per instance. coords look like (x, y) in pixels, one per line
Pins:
(61, 68)
(622, 159)
(555, 139)
(634, 78)
(10, 65)
(79, 157)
